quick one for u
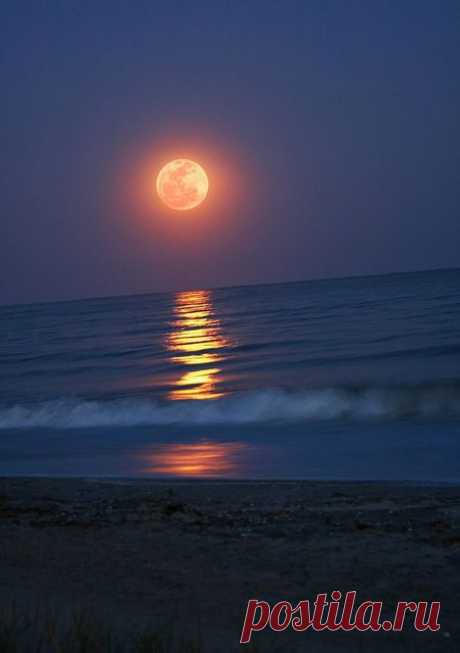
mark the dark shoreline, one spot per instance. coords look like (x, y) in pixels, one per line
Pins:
(175, 480)
(136, 551)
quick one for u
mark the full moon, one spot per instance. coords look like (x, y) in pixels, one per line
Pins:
(182, 184)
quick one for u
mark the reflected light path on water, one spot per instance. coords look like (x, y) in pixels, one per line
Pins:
(200, 459)
(196, 343)
(196, 340)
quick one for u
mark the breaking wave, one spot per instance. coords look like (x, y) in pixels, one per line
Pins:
(246, 408)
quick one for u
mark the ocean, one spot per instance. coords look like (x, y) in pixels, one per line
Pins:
(355, 378)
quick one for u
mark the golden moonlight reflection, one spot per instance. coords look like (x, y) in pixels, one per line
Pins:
(203, 459)
(196, 340)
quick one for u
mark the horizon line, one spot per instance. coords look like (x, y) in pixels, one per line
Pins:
(229, 286)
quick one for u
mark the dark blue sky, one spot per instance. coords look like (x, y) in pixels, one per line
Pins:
(337, 123)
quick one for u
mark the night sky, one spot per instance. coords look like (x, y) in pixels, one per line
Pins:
(329, 130)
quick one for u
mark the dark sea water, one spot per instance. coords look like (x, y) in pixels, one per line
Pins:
(354, 378)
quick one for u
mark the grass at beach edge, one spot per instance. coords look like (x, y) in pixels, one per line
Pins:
(46, 631)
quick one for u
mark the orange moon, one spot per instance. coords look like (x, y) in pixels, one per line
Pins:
(182, 184)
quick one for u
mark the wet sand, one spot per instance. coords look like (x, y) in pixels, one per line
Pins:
(136, 553)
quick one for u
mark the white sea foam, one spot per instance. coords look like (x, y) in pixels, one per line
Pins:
(245, 408)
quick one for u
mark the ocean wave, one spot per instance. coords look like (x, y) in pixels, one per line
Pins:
(365, 403)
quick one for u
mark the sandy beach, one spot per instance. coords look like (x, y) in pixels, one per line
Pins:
(135, 555)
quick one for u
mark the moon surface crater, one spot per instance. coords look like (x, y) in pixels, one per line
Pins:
(182, 184)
